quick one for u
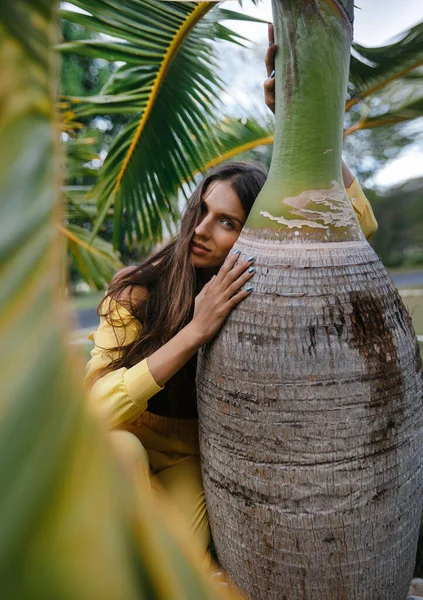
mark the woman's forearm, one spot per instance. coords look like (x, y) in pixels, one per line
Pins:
(212, 305)
(347, 176)
(172, 356)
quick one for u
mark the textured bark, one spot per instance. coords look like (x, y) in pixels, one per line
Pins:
(310, 405)
(310, 398)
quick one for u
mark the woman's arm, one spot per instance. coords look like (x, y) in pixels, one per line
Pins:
(347, 176)
(212, 306)
(122, 395)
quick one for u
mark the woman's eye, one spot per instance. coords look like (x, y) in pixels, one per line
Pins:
(203, 208)
(228, 223)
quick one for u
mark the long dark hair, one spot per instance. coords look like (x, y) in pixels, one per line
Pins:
(168, 277)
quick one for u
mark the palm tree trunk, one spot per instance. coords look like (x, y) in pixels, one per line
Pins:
(310, 397)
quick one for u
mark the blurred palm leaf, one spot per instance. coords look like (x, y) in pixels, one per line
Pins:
(80, 153)
(386, 82)
(78, 205)
(72, 525)
(372, 69)
(96, 260)
(169, 82)
(398, 103)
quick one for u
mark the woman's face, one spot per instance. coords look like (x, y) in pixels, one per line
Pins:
(221, 221)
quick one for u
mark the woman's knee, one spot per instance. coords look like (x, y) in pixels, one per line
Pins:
(130, 449)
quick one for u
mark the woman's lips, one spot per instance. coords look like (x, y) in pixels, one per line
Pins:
(198, 249)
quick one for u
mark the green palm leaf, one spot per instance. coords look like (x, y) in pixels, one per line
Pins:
(235, 136)
(96, 260)
(398, 103)
(72, 525)
(78, 205)
(372, 69)
(169, 81)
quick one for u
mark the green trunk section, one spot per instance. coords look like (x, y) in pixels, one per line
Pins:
(304, 194)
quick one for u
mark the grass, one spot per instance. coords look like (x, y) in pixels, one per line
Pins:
(87, 300)
(414, 305)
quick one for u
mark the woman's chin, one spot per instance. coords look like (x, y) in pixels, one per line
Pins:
(199, 261)
(202, 261)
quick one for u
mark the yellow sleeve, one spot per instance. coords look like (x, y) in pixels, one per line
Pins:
(119, 396)
(363, 209)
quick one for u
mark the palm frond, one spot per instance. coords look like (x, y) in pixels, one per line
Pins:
(96, 261)
(169, 82)
(80, 153)
(78, 206)
(72, 524)
(398, 103)
(372, 69)
(238, 135)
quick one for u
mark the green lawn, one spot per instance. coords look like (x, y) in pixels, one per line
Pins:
(87, 300)
(415, 308)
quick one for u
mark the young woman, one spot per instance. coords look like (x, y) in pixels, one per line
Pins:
(154, 318)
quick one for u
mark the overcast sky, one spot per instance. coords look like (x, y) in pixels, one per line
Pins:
(376, 23)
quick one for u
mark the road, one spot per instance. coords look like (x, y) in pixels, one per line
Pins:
(408, 279)
(88, 317)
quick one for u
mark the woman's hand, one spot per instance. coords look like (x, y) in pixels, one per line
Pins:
(212, 306)
(219, 296)
(269, 84)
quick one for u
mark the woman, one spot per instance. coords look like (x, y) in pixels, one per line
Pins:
(155, 317)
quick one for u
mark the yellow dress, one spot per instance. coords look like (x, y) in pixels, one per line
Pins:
(163, 451)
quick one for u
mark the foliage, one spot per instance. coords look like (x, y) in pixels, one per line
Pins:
(80, 75)
(387, 81)
(169, 72)
(165, 95)
(399, 212)
(72, 524)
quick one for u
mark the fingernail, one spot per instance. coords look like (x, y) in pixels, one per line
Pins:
(250, 258)
(249, 288)
(237, 251)
(272, 74)
(251, 270)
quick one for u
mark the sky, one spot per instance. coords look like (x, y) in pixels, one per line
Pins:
(376, 23)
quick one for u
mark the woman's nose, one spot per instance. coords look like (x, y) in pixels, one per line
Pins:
(203, 228)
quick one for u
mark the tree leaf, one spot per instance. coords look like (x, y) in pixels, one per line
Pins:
(72, 524)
